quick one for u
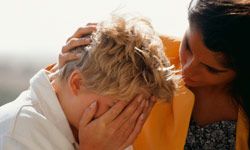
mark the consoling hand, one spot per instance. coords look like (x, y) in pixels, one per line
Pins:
(79, 38)
(117, 128)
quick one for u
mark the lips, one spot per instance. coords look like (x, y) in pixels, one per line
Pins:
(187, 79)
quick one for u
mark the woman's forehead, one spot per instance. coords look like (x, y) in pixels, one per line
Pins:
(204, 54)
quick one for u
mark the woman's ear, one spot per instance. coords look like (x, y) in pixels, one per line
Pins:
(75, 81)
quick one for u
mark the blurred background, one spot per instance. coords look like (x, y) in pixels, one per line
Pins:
(32, 32)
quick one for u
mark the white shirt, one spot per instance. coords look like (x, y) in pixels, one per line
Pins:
(35, 120)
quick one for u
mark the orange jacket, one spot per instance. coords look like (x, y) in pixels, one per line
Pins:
(168, 123)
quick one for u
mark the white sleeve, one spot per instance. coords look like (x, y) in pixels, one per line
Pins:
(8, 143)
(32, 131)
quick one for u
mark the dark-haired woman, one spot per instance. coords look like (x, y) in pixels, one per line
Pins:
(214, 58)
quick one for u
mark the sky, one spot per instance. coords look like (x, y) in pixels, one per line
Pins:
(37, 29)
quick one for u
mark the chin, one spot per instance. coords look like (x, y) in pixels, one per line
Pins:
(192, 85)
(189, 83)
(195, 84)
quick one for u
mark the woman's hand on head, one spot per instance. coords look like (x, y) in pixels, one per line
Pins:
(79, 38)
(117, 128)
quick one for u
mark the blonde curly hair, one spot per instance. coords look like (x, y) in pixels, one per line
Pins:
(125, 57)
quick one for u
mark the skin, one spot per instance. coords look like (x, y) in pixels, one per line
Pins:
(206, 76)
(75, 98)
(203, 73)
(98, 122)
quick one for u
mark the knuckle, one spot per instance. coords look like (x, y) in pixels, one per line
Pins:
(72, 56)
(122, 104)
(133, 107)
(92, 27)
(85, 40)
(130, 109)
(133, 118)
(71, 42)
(131, 121)
(69, 39)
(64, 48)
(80, 29)
(126, 117)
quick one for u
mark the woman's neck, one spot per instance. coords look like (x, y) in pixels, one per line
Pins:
(212, 105)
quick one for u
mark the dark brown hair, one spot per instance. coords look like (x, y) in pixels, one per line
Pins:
(225, 27)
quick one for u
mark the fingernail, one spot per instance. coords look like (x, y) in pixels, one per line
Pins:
(153, 99)
(141, 116)
(93, 105)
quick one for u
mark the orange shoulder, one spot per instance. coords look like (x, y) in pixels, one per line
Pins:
(171, 48)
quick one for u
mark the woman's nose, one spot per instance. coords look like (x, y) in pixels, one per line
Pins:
(190, 67)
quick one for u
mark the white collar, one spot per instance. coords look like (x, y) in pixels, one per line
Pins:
(41, 88)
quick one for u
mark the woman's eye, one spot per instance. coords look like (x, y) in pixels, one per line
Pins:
(188, 50)
(212, 70)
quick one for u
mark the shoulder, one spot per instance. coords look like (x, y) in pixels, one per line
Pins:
(31, 129)
(171, 48)
(19, 112)
(9, 112)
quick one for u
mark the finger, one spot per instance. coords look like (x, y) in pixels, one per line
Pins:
(128, 126)
(66, 57)
(54, 68)
(113, 112)
(53, 75)
(137, 113)
(83, 31)
(76, 42)
(128, 112)
(140, 121)
(148, 107)
(91, 23)
(135, 132)
(88, 115)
